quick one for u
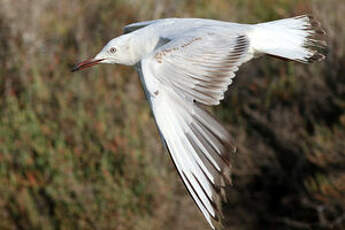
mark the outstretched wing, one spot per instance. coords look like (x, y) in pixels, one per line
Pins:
(199, 147)
(197, 67)
(200, 65)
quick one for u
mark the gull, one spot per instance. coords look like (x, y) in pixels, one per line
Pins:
(186, 64)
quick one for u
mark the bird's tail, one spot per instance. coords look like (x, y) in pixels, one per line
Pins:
(299, 39)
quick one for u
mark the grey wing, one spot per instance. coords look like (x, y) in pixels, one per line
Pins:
(200, 66)
(138, 25)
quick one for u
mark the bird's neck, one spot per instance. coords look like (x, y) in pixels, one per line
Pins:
(142, 43)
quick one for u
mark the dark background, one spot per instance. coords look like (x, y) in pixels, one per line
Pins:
(81, 151)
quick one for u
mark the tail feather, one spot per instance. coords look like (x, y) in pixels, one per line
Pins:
(300, 39)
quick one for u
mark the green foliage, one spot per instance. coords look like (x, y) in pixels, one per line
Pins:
(80, 151)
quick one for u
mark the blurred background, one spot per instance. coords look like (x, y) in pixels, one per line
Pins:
(81, 150)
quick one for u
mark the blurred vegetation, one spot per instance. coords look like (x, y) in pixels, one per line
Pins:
(81, 151)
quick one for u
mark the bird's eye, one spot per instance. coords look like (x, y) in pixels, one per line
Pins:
(113, 50)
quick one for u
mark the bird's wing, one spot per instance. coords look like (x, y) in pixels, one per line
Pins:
(200, 66)
(175, 76)
(199, 147)
(138, 25)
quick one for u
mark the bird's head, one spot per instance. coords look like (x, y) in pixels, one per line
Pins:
(116, 51)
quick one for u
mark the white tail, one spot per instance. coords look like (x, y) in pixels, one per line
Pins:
(298, 39)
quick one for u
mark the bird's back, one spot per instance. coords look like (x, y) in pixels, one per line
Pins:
(171, 28)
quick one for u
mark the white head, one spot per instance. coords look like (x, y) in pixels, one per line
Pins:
(116, 51)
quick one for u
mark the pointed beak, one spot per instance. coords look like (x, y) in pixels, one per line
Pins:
(85, 64)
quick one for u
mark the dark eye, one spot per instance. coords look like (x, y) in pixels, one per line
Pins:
(113, 50)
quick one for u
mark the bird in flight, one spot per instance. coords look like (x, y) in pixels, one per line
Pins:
(187, 63)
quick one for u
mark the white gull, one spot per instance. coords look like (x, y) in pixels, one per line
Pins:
(187, 62)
